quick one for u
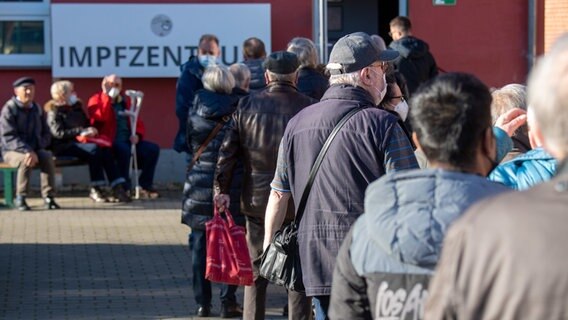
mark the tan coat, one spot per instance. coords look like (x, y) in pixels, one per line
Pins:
(507, 258)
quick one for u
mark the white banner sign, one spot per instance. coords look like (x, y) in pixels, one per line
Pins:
(148, 40)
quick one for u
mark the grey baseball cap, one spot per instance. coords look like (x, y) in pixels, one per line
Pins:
(356, 51)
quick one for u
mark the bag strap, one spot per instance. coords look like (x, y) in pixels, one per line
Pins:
(318, 162)
(210, 137)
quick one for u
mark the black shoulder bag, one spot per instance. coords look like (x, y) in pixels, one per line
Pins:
(280, 262)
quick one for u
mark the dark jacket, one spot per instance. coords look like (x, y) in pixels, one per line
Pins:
(506, 258)
(23, 129)
(355, 159)
(65, 123)
(312, 83)
(257, 81)
(415, 62)
(209, 109)
(525, 171)
(188, 83)
(395, 245)
(259, 122)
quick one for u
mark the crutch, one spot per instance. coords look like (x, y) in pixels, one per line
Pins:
(135, 106)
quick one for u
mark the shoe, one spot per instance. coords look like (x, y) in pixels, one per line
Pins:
(231, 310)
(20, 204)
(97, 195)
(203, 311)
(50, 203)
(119, 194)
(149, 194)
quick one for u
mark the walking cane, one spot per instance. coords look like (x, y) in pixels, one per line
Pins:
(135, 106)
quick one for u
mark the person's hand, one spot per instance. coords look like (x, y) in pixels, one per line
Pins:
(222, 201)
(92, 132)
(265, 244)
(134, 139)
(30, 159)
(511, 120)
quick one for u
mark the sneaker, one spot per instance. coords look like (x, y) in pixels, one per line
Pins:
(203, 311)
(231, 310)
(20, 204)
(97, 195)
(50, 203)
(149, 194)
(119, 194)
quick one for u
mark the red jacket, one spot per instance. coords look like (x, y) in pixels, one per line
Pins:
(103, 117)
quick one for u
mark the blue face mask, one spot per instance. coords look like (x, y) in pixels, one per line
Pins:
(207, 60)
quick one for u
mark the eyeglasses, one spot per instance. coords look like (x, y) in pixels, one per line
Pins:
(383, 65)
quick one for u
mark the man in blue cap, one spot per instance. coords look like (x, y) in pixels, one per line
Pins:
(24, 136)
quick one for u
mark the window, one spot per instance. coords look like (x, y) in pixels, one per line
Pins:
(24, 33)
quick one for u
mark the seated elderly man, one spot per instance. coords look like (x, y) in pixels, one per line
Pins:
(107, 114)
(24, 136)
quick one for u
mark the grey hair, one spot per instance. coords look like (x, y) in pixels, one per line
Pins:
(60, 88)
(242, 75)
(306, 51)
(508, 97)
(290, 77)
(548, 96)
(217, 78)
(353, 78)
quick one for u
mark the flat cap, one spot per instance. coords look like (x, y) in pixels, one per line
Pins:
(356, 51)
(23, 81)
(282, 62)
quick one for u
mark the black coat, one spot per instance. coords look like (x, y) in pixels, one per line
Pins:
(415, 62)
(312, 83)
(65, 123)
(23, 129)
(259, 123)
(209, 108)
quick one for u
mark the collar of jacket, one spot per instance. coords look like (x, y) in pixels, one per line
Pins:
(276, 86)
(348, 92)
(20, 105)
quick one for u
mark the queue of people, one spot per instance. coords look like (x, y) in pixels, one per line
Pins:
(100, 135)
(374, 229)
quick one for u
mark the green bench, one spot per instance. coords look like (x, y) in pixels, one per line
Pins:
(9, 173)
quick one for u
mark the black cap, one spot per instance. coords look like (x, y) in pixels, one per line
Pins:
(356, 51)
(23, 81)
(281, 62)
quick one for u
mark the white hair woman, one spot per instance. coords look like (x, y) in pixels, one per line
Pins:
(207, 124)
(311, 81)
(67, 120)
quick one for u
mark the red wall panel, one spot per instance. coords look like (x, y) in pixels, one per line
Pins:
(485, 37)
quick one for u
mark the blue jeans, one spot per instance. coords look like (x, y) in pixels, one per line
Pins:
(147, 154)
(100, 161)
(202, 286)
(322, 305)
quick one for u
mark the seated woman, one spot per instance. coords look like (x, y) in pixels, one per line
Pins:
(67, 120)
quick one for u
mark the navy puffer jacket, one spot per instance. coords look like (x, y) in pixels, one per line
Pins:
(209, 108)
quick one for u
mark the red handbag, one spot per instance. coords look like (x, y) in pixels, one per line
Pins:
(228, 259)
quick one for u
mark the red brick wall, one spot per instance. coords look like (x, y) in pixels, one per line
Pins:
(485, 37)
(555, 20)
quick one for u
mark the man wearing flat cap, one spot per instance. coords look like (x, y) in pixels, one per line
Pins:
(24, 137)
(258, 125)
(370, 144)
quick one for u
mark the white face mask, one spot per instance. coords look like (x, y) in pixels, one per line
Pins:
(113, 92)
(382, 91)
(72, 99)
(402, 109)
(207, 60)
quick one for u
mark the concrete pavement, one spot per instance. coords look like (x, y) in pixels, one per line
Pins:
(101, 261)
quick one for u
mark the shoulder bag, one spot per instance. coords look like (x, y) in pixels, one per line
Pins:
(280, 262)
